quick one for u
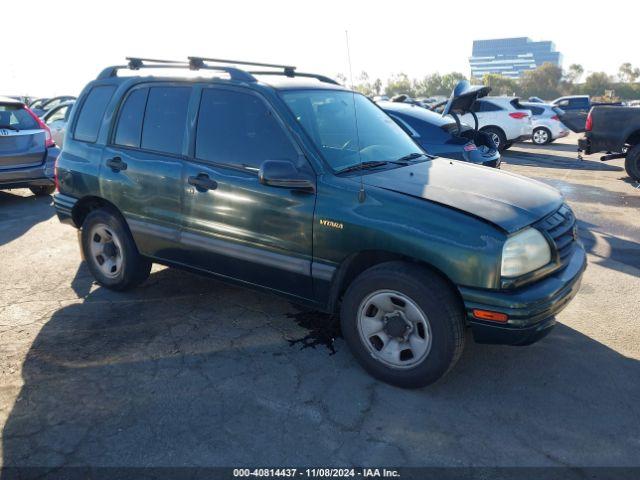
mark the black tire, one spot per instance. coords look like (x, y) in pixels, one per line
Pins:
(539, 139)
(632, 163)
(433, 296)
(499, 137)
(134, 268)
(42, 190)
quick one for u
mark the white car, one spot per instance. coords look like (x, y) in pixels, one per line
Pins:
(57, 119)
(504, 118)
(547, 125)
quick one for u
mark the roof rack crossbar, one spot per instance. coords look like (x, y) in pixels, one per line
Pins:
(135, 63)
(289, 69)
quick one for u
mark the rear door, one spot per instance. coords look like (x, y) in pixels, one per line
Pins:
(22, 141)
(234, 225)
(142, 165)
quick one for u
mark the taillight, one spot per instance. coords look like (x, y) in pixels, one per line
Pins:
(589, 125)
(518, 115)
(555, 117)
(48, 139)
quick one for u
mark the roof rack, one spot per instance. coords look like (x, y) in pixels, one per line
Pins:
(202, 63)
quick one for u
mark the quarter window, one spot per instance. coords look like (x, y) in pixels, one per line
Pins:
(92, 112)
(129, 127)
(237, 128)
(165, 119)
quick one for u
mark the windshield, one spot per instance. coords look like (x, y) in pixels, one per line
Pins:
(329, 118)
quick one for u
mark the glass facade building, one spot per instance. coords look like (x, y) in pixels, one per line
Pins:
(511, 56)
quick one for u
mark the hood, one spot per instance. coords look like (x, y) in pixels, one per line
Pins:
(463, 97)
(509, 201)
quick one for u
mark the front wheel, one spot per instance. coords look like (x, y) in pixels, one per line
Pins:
(632, 163)
(110, 252)
(403, 323)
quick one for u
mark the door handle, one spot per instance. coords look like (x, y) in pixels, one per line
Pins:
(203, 183)
(116, 164)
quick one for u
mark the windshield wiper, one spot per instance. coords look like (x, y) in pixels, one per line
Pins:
(411, 156)
(364, 166)
(10, 127)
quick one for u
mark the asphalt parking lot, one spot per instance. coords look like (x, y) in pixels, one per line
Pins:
(188, 371)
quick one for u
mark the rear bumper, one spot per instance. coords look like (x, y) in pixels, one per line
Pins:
(39, 175)
(531, 309)
(584, 145)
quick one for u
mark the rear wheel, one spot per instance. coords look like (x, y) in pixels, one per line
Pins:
(498, 137)
(632, 163)
(110, 252)
(42, 190)
(403, 324)
(541, 136)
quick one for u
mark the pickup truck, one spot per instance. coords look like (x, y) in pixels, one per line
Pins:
(576, 109)
(615, 130)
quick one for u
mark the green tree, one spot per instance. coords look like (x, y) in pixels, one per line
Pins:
(450, 80)
(575, 73)
(596, 84)
(500, 85)
(400, 83)
(628, 74)
(544, 81)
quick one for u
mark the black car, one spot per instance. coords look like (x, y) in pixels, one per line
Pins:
(439, 135)
(27, 150)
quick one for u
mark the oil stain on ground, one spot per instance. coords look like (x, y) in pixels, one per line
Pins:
(323, 329)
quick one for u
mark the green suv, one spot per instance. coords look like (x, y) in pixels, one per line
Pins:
(290, 183)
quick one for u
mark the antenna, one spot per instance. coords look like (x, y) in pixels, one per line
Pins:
(361, 194)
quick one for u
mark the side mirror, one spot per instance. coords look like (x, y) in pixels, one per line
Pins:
(284, 174)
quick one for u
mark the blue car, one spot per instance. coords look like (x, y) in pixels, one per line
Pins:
(442, 136)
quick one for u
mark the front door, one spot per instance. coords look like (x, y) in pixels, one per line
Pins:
(142, 166)
(234, 225)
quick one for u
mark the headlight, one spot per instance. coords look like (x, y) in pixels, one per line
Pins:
(524, 253)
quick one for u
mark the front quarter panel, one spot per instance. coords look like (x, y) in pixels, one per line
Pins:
(464, 248)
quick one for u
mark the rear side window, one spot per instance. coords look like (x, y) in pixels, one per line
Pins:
(237, 128)
(165, 119)
(535, 110)
(90, 117)
(486, 107)
(129, 129)
(14, 117)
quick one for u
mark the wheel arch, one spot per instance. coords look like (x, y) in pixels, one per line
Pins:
(633, 139)
(358, 262)
(87, 204)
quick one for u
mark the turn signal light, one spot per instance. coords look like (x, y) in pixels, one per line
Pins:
(491, 316)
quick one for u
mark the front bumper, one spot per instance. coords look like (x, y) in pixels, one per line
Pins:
(530, 309)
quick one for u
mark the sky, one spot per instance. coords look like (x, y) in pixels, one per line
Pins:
(54, 57)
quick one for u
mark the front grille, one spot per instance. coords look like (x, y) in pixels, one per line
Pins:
(561, 228)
